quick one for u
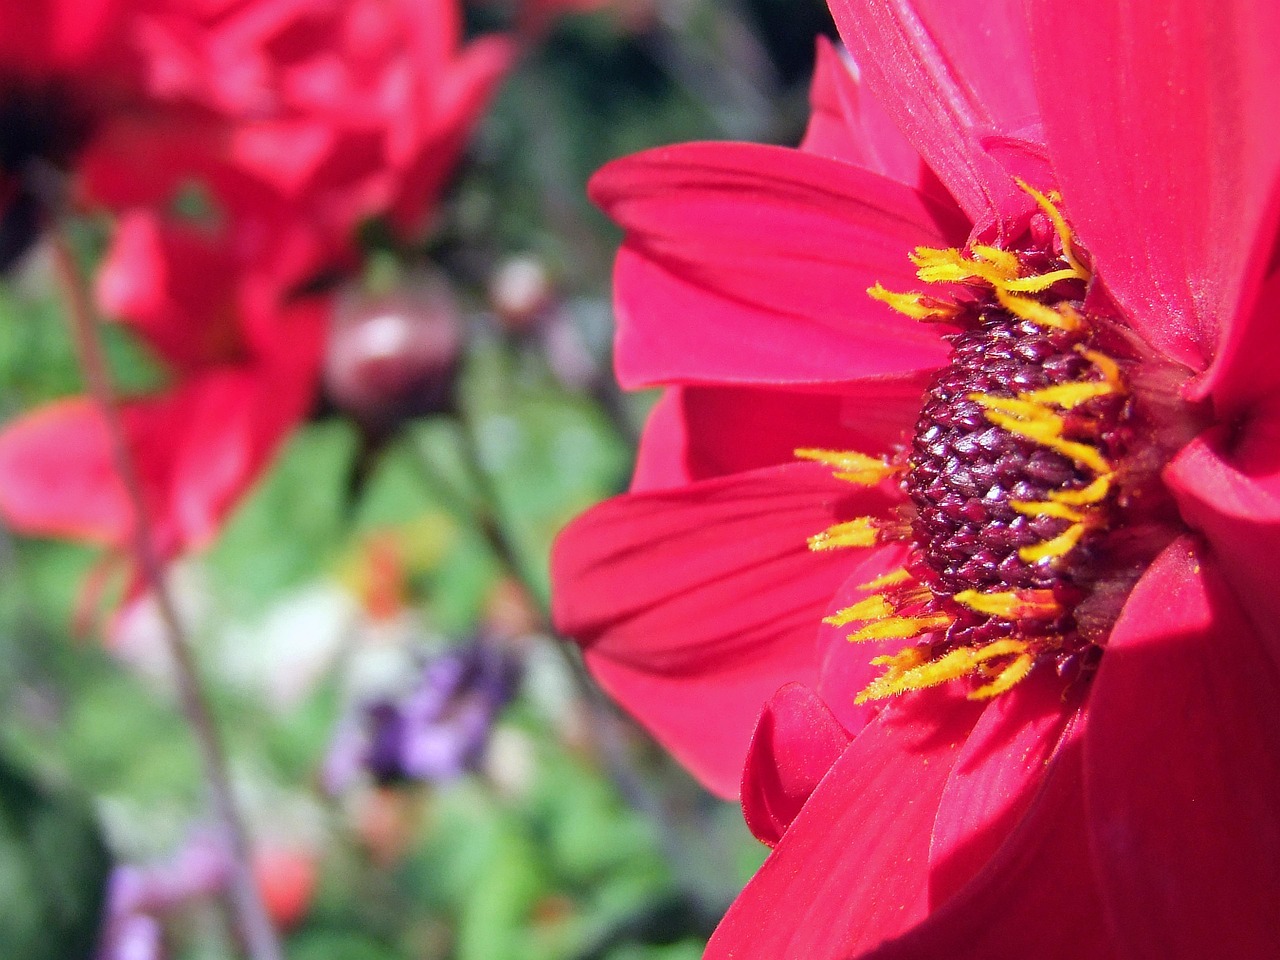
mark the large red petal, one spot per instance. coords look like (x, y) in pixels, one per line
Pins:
(995, 780)
(1182, 770)
(948, 73)
(57, 476)
(852, 869)
(796, 742)
(695, 433)
(1245, 370)
(1036, 898)
(1234, 500)
(847, 124)
(1161, 121)
(695, 605)
(749, 264)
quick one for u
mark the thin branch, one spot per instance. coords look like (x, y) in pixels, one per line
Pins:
(260, 939)
(611, 731)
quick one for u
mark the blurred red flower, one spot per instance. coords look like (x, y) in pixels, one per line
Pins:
(298, 121)
(1128, 812)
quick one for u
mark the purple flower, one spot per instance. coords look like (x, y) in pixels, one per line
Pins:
(437, 730)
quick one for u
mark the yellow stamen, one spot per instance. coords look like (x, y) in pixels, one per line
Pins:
(899, 628)
(889, 579)
(1070, 395)
(1109, 368)
(1059, 546)
(860, 532)
(1038, 282)
(850, 465)
(1046, 508)
(870, 608)
(1028, 419)
(1012, 604)
(1035, 311)
(917, 306)
(1006, 678)
(951, 666)
(1059, 225)
(1095, 492)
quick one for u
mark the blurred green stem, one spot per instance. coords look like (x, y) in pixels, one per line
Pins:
(261, 941)
(615, 736)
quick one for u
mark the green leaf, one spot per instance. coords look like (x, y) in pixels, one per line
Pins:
(53, 871)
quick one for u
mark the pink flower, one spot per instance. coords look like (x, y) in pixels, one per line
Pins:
(1069, 745)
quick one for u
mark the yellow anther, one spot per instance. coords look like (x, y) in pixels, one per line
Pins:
(904, 659)
(1002, 260)
(934, 265)
(889, 579)
(850, 465)
(1035, 311)
(861, 532)
(1059, 546)
(899, 628)
(1095, 492)
(1070, 395)
(917, 306)
(1039, 282)
(870, 608)
(1006, 678)
(1018, 408)
(1025, 418)
(1046, 508)
(952, 666)
(1060, 227)
(1012, 604)
(1109, 368)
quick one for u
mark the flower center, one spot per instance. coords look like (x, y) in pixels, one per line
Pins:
(1022, 469)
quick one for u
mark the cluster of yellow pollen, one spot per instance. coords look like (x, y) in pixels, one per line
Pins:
(898, 606)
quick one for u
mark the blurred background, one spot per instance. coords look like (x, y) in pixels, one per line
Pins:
(424, 770)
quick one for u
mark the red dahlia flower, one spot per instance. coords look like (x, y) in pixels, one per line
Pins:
(971, 571)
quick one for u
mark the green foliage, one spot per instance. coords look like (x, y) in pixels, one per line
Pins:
(53, 870)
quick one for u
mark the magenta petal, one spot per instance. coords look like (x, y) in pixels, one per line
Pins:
(948, 73)
(1245, 369)
(1161, 121)
(795, 743)
(695, 433)
(1236, 505)
(57, 475)
(1182, 770)
(696, 605)
(995, 780)
(851, 871)
(766, 254)
(847, 124)
(1037, 898)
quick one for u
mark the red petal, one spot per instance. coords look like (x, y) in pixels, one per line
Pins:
(948, 73)
(1235, 503)
(796, 742)
(57, 477)
(1245, 368)
(748, 264)
(695, 433)
(1161, 120)
(847, 124)
(1182, 770)
(851, 871)
(995, 780)
(696, 605)
(1036, 898)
